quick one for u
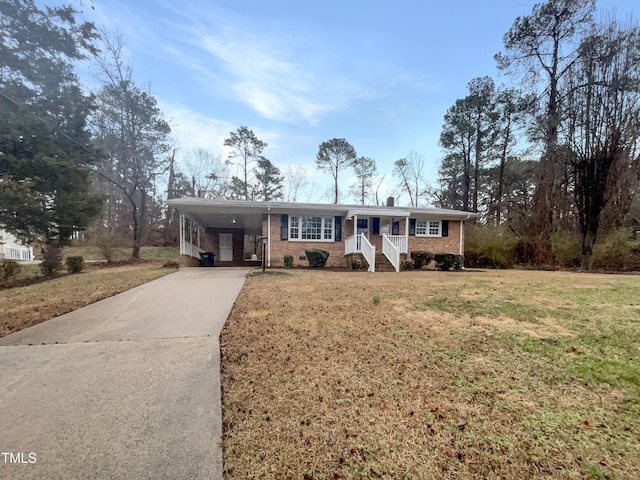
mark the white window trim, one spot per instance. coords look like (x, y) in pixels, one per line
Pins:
(323, 240)
(427, 228)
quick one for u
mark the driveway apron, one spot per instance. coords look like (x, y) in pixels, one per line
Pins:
(128, 387)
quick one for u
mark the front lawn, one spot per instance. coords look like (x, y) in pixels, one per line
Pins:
(420, 375)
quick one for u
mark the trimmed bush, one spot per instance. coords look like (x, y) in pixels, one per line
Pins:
(447, 261)
(9, 269)
(75, 264)
(317, 258)
(421, 258)
(288, 261)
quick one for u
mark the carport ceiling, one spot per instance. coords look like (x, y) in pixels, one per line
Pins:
(223, 216)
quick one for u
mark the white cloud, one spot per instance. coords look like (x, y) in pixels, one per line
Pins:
(264, 74)
(195, 130)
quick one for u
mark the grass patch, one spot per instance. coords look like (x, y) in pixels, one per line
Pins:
(28, 305)
(91, 253)
(477, 375)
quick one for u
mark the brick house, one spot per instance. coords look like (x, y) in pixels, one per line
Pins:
(240, 232)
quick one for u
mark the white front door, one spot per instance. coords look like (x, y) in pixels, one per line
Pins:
(226, 247)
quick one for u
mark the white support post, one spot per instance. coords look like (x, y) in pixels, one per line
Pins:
(406, 232)
(268, 237)
(182, 249)
(461, 229)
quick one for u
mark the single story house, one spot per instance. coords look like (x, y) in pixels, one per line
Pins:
(12, 249)
(240, 232)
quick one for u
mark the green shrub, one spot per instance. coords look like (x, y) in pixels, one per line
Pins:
(421, 259)
(567, 249)
(51, 261)
(617, 251)
(288, 261)
(317, 258)
(9, 269)
(489, 247)
(75, 264)
(447, 261)
(406, 265)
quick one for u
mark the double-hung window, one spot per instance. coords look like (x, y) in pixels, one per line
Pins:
(428, 228)
(311, 228)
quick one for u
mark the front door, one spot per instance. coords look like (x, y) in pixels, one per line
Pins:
(226, 247)
(363, 226)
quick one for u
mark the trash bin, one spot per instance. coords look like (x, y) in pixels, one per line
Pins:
(206, 259)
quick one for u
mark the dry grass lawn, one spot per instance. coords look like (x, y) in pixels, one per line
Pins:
(424, 375)
(22, 307)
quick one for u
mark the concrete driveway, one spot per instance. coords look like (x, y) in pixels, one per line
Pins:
(128, 387)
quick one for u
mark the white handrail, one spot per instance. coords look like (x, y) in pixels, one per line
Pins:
(399, 241)
(368, 252)
(360, 244)
(391, 251)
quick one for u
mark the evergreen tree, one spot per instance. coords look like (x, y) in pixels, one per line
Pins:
(45, 150)
(270, 181)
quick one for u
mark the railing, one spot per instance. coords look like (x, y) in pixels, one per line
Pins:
(391, 251)
(399, 241)
(191, 250)
(360, 244)
(16, 252)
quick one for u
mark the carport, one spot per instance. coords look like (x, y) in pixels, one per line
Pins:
(230, 230)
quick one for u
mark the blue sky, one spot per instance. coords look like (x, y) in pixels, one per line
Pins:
(379, 73)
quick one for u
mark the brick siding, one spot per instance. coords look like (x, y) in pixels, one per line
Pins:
(280, 248)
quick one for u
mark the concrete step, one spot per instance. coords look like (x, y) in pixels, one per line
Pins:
(383, 264)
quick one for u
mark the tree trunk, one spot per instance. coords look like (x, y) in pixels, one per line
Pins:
(588, 242)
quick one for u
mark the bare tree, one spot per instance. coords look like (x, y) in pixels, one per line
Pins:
(410, 173)
(128, 126)
(207, 173)
(295, 180)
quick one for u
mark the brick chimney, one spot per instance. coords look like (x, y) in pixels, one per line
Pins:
(391, 202)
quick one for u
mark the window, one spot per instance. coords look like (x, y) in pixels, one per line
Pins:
(428, 228)
(311, 228)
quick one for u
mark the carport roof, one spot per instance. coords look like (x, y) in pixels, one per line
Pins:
(248, 215)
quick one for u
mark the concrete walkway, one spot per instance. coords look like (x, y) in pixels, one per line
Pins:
(128, 387)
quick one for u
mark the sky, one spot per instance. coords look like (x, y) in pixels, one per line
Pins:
(380, 74)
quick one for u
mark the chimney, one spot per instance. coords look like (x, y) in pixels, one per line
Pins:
(390, 202)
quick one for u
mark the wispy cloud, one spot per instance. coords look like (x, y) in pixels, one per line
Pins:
(265, 75)
(195, 130)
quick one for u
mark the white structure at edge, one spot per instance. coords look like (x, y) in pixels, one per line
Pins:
(12, 249)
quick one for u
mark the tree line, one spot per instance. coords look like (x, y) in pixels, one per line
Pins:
(558, 153)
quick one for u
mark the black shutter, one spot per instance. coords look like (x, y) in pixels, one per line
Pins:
(445, 228)
(284, 227)
(375, 224)
(337, 229)
(395, 228)
(412, 226)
